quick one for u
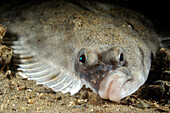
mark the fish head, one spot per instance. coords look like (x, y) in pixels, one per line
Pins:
(113, 73)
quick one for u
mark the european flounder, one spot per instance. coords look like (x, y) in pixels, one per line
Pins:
(65, 45)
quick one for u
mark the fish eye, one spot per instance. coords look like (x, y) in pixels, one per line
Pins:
(87, 58)
(121, 58)
(115, 56)
(82, 58)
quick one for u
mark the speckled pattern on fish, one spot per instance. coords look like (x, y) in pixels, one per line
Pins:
(64, 46)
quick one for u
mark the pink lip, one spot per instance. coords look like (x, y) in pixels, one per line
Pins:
(111, 86)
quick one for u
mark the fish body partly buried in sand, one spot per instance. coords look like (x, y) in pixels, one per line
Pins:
(66, 45)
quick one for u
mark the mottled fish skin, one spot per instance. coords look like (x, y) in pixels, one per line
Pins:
(65, 45)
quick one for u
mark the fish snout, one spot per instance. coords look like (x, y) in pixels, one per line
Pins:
(111, 87)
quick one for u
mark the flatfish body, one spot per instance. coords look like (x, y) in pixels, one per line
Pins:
(65, 45)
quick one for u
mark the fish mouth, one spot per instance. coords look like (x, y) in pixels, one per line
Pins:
(112, 86)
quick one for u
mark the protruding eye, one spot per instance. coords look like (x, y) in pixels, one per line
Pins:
(87, 58)
(82, 58)
(114, 56)
(121, 58)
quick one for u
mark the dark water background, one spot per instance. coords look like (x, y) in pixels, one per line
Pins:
(158, 11)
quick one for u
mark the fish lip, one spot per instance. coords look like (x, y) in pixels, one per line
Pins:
(108, 82)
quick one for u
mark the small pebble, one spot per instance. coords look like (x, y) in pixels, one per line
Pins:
(21, 88)
(95, 99)
(13, 109)
(14, 97)
(41, 95)
(81, 101)
(2, 31)
(24, 108)
(142, 104)
(39, 108)
(155, 105)
(30, 101)
(71, 104)
(28, 97)
(2, 106)
(14, 83)
(84, 94)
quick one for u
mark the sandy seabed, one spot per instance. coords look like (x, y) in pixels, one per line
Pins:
(20, 95)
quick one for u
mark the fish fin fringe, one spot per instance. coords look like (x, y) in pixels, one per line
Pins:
(165, 42)
(34, 68)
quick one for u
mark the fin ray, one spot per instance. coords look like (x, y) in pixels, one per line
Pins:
(165, 42)
(33, 67)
